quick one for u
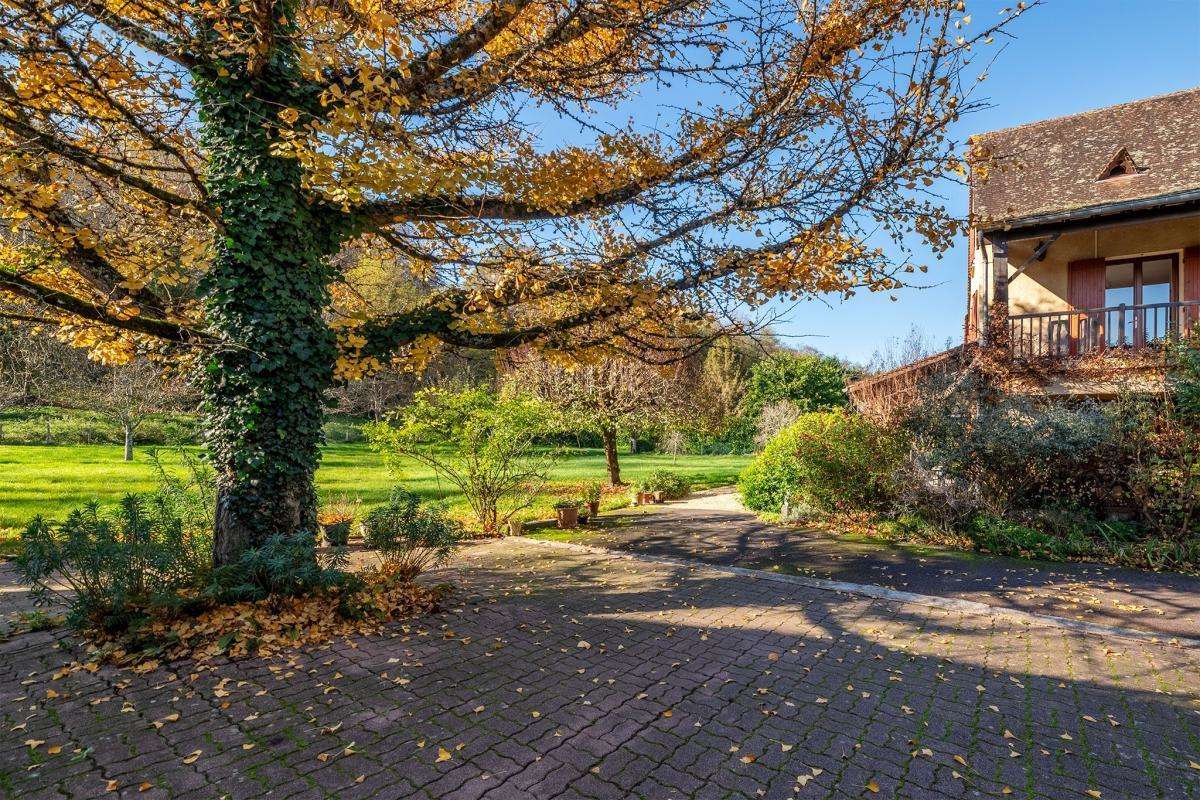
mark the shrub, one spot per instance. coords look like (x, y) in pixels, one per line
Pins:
(591, 491)
(120, 567)
(672, 485)
(1165, 443)
(483, 443)
(825, 461)
(285, 565)
(191, 495)
(1004, 537)
(410, 537)
(1007, 455)
(735, 435)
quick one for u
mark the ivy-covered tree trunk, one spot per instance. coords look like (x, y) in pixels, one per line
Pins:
(265, 293)
(609, 435)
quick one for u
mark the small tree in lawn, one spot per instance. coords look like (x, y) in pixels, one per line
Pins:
(674, 444)
(130, 392)
(604, 397)
(483, 443)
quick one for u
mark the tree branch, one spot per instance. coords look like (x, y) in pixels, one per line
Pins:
(69, 304)
(95, 163)
(134, 32)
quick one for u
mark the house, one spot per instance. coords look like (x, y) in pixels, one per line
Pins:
(1085, 247)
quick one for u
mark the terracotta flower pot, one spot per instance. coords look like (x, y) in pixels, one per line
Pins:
(593, 507)
(567, 517)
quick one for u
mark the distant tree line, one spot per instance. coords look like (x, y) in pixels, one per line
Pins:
(727, 396)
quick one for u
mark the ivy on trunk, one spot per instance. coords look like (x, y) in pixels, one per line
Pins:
(265, 296)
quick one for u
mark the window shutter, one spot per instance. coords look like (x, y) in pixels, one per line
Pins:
(1085, 283)
(1191, 285)
(1085, 289)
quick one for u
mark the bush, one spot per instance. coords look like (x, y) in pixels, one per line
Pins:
(736, 435)
(121, 568)
(1004, 537)
(1165, 443)
(825, 461)
(672, 485)
(485, 444)
(410, 537)
(76, 426)
(591, 491)
(285, 565)
(1008, 456)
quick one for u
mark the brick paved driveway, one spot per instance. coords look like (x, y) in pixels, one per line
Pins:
(714, 528)
(562, 674)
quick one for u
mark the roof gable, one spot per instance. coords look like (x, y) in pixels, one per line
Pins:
(1133, 151)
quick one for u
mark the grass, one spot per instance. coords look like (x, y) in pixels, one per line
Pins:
(51, 480)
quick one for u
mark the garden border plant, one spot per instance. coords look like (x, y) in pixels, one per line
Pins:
(486, 444)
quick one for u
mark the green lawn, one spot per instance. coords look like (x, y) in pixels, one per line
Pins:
(52, 480)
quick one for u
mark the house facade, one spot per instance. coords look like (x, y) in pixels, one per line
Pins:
(1086, 240)
(1084, 256)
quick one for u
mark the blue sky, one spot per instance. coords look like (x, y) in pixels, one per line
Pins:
(1068, 56)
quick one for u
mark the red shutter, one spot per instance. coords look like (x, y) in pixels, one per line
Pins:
(1085, 289)
(1085, 283)
(1191, 285)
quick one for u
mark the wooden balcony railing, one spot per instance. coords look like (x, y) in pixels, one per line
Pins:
(1094, 330)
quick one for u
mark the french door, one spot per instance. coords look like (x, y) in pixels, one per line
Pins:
(1138, 298)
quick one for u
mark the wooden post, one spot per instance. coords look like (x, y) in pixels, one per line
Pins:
(998, 310)
(1000, 272)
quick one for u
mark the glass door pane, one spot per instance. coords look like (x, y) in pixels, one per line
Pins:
(1118, 291)
(1155, 323)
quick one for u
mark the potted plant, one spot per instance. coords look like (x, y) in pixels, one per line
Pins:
(567, 512)
(591, 496)
(336, 519)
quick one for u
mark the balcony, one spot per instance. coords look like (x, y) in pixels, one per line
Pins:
(1065, 334)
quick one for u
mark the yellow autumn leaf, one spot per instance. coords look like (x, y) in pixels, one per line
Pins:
(443, 754)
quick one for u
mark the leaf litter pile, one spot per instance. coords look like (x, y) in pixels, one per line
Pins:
(268, 627)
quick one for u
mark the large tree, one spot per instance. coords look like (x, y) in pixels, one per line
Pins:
(561, 172)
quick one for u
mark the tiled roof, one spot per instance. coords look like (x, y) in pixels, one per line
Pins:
(1054, 166)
